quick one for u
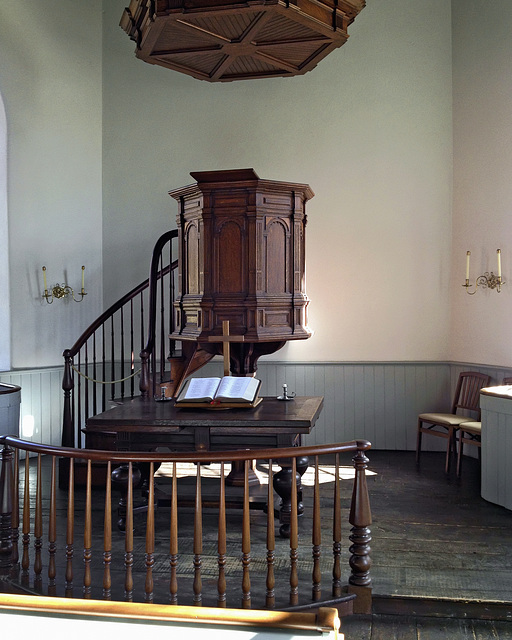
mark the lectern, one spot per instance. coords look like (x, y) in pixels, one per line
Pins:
(241, 260)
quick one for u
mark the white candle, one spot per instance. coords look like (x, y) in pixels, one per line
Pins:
(83, 272)
(498, 251)
(44, 278)
(468, 253)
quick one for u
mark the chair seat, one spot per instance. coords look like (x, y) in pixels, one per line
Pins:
(444, 419)
(474, 428)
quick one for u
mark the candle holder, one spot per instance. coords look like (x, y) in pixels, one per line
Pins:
(486, 280)
(60, 291)
(286, 396)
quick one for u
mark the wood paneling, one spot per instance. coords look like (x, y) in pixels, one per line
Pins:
(376, 401)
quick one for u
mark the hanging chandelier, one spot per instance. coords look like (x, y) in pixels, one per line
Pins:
(225, 40)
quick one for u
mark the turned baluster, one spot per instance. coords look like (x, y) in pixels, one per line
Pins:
(128, 538)
(107, 536)
(246, 542)
(336, 532)
(221, 547)
(144, 374)
(316, 537)
(112, 386)
(150, 536)
(132, 350)
(103, 367)
(173, 550)
(52, 531)
(294, 540)
(88, 534)
(95, 377)
(360, 518)
(16, 507)
(83, 392)
(6, 484)
(270, 598)
(70, 529)
(121, 352)
(38, 527)
(25, 559)
(198, 539)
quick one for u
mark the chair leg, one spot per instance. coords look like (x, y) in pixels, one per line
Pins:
(459, 453)
(418, 442)
(449, 448)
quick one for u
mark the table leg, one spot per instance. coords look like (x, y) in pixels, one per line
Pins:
(283, 487)
(236, 476)
(120, 482)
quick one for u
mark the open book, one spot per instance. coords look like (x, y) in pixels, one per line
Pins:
(229, 389)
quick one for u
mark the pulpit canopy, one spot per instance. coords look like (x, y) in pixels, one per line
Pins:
(224, 40)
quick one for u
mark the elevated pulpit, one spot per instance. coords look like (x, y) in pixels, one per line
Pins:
(241, 260)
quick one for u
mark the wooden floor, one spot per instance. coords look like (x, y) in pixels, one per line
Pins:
(387, 627)
(441, 554)
(433, 535)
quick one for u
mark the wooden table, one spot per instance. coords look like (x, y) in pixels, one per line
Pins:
(146, 425)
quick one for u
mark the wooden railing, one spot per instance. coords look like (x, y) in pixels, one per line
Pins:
(66, 616)
(127, 340)
(187, 554)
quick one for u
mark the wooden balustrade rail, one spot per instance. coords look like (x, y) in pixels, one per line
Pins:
(292, 574)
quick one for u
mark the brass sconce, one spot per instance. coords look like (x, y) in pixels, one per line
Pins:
(62, 290)
(487, 280)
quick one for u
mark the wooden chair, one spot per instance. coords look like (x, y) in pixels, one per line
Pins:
(445, 425)
(471, 433)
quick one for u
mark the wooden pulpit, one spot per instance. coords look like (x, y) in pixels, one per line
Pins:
(241, 260)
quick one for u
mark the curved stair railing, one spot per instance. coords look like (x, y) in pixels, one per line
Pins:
(172, 550)
(129, 339)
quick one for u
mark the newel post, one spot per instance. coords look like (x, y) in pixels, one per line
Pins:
(6, 486)
(68, 431)
(360, 519)
(144, 374)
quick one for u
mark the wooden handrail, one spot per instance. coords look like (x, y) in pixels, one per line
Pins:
(127, 297)
(185, 456)
(154, 276)
(326, 619)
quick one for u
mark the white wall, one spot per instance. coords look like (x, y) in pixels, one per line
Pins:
(50, 81)
(369, 129)
(482, 221)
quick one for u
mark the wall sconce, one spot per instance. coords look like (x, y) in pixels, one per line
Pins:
(487, 280)
(62, 290)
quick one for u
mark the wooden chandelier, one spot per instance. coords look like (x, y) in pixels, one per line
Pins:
(225, 40)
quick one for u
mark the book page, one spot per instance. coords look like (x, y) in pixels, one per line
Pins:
(200, 389)
(237, 389)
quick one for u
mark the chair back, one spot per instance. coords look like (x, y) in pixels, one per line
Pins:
(467, 393)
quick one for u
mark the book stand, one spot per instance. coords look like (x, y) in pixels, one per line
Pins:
(226, 339)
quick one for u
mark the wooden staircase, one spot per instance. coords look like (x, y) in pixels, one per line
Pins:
(127, 351)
